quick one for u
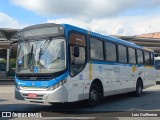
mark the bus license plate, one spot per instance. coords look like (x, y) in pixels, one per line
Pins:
(32, 95)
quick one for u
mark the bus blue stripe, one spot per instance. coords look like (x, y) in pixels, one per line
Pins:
(115, 63)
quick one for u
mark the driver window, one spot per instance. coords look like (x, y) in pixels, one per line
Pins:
(77, 62)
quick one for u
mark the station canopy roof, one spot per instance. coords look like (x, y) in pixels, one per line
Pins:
(151, 40)
(7, 35)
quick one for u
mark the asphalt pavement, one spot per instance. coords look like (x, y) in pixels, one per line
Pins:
(113, 107)
(6, 89)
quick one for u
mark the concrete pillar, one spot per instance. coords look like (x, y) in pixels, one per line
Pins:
(8, 54)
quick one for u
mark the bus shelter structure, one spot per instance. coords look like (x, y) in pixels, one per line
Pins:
(7, 58)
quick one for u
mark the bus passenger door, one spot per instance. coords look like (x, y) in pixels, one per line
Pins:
(77, 88)
(77, 50)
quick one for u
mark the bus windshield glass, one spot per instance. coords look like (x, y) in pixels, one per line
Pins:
(157, 64)
(41, 56)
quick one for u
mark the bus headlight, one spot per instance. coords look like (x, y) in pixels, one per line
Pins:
(56, 85)
(17, 86)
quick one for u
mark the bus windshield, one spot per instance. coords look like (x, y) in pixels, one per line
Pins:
(157, 64)
(41, 56)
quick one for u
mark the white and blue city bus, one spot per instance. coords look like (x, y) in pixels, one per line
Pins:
(64, 63)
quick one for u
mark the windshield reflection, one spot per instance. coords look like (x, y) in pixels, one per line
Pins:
(43, 56)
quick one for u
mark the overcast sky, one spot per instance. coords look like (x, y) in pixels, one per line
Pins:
(110, 17)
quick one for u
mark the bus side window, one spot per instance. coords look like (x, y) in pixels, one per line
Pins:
(96, 49)
(140, 57)
(111, 53)
(122, 56)
(132, 55)
(147, 58)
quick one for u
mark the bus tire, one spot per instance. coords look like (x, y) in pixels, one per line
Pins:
(94, 97)
(139, 89)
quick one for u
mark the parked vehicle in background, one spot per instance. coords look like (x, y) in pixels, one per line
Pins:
(157, 66)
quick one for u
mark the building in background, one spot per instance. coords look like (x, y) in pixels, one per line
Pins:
(151, 40)
(7, 56)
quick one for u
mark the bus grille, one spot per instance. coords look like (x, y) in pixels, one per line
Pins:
(33, 88)
(35, 78)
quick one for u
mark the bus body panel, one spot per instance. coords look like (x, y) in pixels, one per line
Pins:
(115, 77)
(58, 95)
(77, 88)
(121, 79)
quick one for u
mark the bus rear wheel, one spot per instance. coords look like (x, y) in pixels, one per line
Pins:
(94, 97)
(139, 88)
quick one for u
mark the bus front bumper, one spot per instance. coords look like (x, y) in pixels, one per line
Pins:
(58, 95)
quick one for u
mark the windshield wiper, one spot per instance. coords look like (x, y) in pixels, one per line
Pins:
(56, 59)
(44, 47)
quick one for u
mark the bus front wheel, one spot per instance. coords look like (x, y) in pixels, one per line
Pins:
(94, 97)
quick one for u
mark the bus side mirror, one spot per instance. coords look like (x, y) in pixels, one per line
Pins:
(76, 51)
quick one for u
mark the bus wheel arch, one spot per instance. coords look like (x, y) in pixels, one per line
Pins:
(95, 93)
(139, 87)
